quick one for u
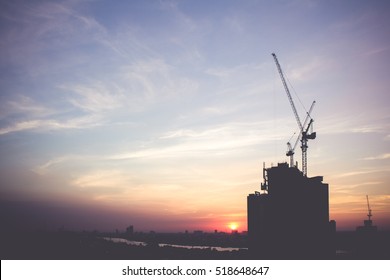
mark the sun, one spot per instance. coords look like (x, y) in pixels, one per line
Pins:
(233, 226)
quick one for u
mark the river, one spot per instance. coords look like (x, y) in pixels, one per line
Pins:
(140, 243)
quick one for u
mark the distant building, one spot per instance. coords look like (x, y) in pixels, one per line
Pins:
(367, 238)
(289, 219)
(368, 226)
(130, 230)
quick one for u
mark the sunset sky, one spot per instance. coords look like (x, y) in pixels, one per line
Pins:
(160, 114)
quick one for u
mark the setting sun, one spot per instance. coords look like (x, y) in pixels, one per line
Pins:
(233, 226)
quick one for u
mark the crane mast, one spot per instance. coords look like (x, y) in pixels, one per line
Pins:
(304, 133)
(291, 150)
(369, 209)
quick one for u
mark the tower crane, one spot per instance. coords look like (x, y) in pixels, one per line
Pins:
(369, 209)
(367, 227)
(304, 133)
(291, 150)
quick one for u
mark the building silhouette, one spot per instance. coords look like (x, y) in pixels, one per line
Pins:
(367, 238)
(368, 226)
(130, 230)
(289, 217)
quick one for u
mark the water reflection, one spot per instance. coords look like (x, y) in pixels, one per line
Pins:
(139, 243)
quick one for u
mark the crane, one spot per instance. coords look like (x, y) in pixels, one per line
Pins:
(369, 209)
(304, 133)
(367, 227)
(291, 150)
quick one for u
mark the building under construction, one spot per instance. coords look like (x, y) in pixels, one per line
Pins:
(289, 217)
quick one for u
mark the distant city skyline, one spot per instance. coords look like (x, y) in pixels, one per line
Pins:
(160, 114)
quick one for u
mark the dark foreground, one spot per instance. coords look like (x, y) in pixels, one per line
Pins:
(65, 245)
(87, 246)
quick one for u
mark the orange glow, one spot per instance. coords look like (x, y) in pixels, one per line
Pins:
(233, 226)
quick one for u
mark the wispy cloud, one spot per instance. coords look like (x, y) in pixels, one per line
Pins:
(180, 17)
(220, 72)
(353, 173)
(52, 124)
(95, 98)
(103, 179)
(226, 131)
(222, 140)
(155, 79)
(306, 72)
(238, 72)
(43, 26)
(24, 105)
(369, 128)
(377, 50)
(20, 126)
(44, 168)
(361, 172)
(343, 124)
(382, 156)
(347, 187)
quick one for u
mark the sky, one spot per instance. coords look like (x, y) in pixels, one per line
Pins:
(160, 114)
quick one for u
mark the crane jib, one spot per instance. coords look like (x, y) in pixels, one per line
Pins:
(304, 135)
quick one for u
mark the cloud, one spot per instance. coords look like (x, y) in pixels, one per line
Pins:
(347, 187)
(376, 50)
(24, 105)
(220, 72)
(95, 98)
(239, 71)
(155, 80)
(382, 156)
(369, 128)
(20, 126)
(52, 124)
(308, 70)
(362, 172)
(220, 140)
(103, 179)
(43, 26)
(182, 20)
(188, 133)
(353, 173)
(344, 124)
(43, 169)
(225, 131)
